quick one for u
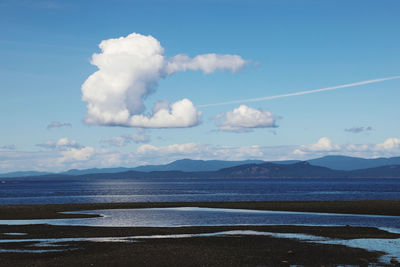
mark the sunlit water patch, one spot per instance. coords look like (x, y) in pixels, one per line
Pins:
(42, 191)
(191, 216)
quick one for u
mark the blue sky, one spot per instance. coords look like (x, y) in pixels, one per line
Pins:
(279, 47)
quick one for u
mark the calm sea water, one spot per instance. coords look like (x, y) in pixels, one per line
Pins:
(15, 191)
(191, 216)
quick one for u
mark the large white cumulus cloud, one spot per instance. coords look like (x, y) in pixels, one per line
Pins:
(129, 69)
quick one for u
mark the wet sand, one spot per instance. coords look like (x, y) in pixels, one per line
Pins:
(198, 251)
(236, 250)
(195, 251)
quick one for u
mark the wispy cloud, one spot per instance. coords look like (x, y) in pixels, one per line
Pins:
(123, 140)
(357, 129)
(57, 124)
(300, 93)
(8, 147)
(61, 144)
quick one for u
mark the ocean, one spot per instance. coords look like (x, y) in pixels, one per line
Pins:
(42, 191)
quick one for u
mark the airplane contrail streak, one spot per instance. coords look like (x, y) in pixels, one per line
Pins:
(300, 93)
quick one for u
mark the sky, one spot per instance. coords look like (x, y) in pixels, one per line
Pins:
(102, 84)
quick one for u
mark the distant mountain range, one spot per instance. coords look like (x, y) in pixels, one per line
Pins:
(301, 169)
(22, 174)
(178, 165)
(351, 163)
(329, 166)
(189, 165)
(304, 169)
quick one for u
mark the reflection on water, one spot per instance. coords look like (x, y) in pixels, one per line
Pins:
(188, 216)
(42, 191)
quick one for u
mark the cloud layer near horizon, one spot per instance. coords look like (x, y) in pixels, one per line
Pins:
(129, 69)
(68, 156)
(324, 146)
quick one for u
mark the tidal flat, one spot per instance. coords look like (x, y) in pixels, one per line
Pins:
(239, 245)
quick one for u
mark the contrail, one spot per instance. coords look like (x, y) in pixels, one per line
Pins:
(300, 93)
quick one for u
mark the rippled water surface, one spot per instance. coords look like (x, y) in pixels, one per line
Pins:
(15, 191)
(189, 216)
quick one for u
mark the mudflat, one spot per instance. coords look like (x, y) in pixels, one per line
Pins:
(236, 250)
(232, 250)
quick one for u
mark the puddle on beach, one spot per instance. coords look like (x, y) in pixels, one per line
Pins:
(15, 234)
(30, 250)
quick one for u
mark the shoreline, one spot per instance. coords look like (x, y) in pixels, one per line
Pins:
(52, 211)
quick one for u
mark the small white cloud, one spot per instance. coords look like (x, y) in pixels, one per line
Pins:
(358, 129)
(324, 144)
(126, 139)
(244, 119)
(129, 69)
(61, 144)
(57, 124)
(389, 148)
(77, 154)
(47, 144)
(356, 147)
(390, 144)
(299, 152)
(199, 151)
(188, 148)
(208, 63)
